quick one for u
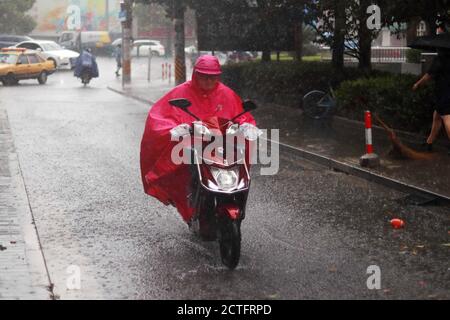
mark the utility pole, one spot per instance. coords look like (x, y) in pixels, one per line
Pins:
(127, 22)
(180, 58)
(107, 14)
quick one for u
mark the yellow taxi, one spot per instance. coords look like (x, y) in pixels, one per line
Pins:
(19, 64)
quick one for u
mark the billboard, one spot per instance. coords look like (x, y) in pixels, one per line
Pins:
(56, 16)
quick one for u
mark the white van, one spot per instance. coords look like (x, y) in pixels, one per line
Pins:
(75, 40)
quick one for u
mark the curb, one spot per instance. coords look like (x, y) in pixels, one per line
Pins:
(131, 96)
(40, 276)
(428, 196)
(29, 246)
(405, 135)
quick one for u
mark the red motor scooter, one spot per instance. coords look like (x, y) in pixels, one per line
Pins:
(220, 177)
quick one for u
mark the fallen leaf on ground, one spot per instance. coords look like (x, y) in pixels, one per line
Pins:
(273, 296)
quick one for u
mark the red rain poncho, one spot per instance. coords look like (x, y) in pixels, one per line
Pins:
(162, 179)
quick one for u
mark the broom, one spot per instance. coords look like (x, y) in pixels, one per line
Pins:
(402, 150)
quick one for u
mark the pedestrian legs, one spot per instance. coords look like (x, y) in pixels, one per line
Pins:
(436, 128)
(119, 66)
(446, 121)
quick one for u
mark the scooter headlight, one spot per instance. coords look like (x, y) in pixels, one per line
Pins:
(227, 179)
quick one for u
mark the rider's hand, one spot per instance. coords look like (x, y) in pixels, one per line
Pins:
(180, 131)
(250, 132)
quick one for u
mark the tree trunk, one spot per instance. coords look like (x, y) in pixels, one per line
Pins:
(126, 42)
(299, 39)
(339, 35)
(364, 39)
(365, 54)
(266, 56)
(180, 58)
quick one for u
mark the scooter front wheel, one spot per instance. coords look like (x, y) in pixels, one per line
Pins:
(230, 242)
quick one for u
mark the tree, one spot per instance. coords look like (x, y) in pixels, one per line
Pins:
(251, 25)
(13, 17)
(342, 26)
(414, 11)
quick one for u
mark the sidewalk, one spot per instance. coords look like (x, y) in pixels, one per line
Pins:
(23, 273)
(339, 143)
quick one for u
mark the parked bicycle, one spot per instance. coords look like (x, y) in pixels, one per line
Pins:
(319, 104)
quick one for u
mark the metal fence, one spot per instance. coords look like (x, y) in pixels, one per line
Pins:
(379, 55)
(389, 54)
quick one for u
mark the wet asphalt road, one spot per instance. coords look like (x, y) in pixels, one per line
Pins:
(310, 233)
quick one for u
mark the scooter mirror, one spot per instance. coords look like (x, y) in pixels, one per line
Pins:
(180, 103)
(249, 105)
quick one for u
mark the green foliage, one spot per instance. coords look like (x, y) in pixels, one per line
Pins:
(391, 97)
(284, 82)
(13, 17)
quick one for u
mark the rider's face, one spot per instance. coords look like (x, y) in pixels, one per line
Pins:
(207, 82)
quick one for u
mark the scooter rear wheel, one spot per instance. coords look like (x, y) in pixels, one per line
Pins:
(230, 243)
(85, 78)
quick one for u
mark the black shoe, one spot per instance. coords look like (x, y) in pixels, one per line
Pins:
(427, 146)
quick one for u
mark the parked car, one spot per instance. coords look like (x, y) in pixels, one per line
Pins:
(191, 50)
(11, 40)
(239, 56)
(143, 47)
(20, 64)
(52, 51)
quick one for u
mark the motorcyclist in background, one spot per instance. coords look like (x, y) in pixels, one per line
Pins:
(86, 66)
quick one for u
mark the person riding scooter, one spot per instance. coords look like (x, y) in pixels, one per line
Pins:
(86, 66)
(162, 179)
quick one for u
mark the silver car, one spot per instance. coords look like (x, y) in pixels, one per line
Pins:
(61, 58)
